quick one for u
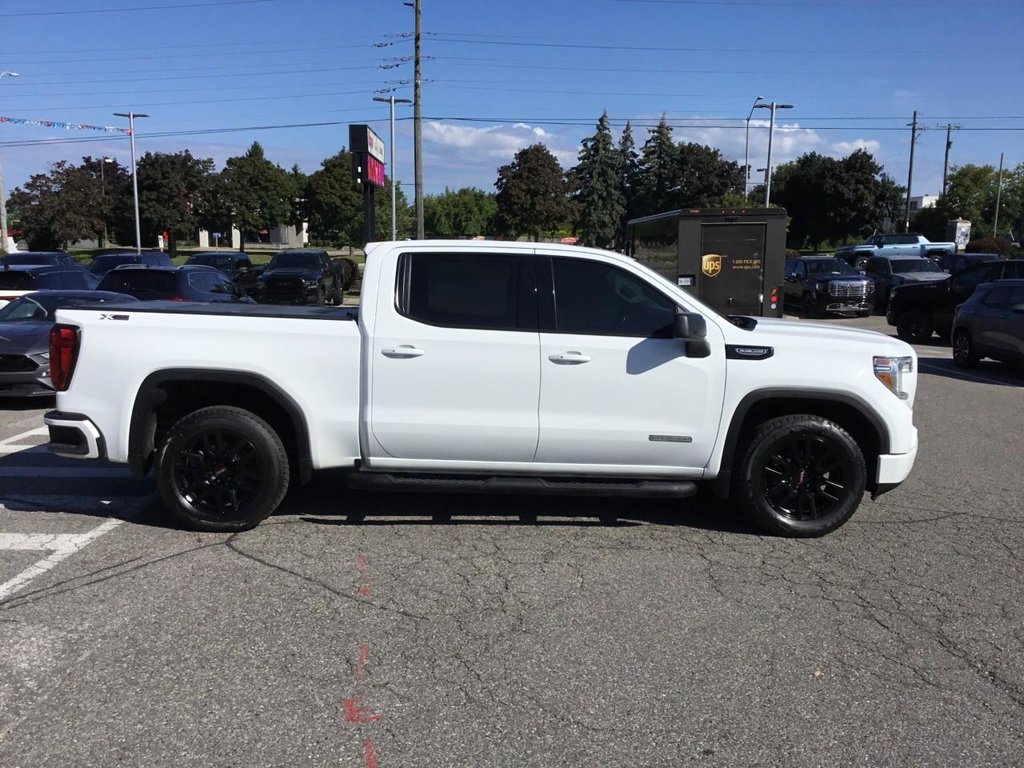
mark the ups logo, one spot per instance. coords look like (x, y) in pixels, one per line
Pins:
(711, 264)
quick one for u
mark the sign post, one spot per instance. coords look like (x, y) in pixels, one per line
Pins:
(368, 171)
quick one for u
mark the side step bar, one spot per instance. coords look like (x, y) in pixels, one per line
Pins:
(536, 486)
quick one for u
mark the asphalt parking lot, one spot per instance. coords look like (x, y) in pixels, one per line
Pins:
(363, 630)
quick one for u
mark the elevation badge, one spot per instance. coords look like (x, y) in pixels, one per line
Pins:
(711, 264)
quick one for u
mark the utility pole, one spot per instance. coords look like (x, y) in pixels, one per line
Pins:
(910, 173)
(999, 193)
(392, 101)
(949, 146)
(3, 197)
(417, 135)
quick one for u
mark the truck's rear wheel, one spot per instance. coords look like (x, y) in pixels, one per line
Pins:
(800, 476)
(222, 469)
(914, 326)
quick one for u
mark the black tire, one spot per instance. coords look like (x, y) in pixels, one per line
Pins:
(222, 469)
(864, 313)
(914, 326)
(337, 295)
(964, 353)
(800, 476)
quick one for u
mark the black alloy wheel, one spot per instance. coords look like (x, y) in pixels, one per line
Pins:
(964, 353)
(801, 475)
(222, 469)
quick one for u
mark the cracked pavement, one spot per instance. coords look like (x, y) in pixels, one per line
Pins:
(678, 636)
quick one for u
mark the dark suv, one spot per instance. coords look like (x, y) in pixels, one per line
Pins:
(301, 276)
(818, 284)
(955, 262)
(234, 264)
(38, 258)
(918, 310)
(17, 281)
(185, 283)
(991, 324)
(107, 260)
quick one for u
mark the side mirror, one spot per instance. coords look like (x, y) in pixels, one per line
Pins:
(689, 326)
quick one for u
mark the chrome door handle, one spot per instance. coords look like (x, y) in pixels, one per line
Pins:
(406, 350)
(569, 358)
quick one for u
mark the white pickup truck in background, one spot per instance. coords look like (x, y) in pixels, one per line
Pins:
(488, 367)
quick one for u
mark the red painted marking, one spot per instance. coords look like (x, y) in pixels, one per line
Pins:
(365, 591)
(369, 754)
(355, 712)
(361, 659)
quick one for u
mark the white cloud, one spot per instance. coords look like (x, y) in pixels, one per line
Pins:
(844, 148)
(789, 143)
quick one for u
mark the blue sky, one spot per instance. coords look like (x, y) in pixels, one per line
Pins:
(501, 76)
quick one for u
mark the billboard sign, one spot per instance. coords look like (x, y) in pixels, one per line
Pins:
(361, 138)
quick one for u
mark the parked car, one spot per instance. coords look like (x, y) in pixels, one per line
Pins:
(38, 258)
(820, 284)
(905, 245)
(105, 261)
(300, 276)
(184, 283)
(25, 338)
(236, 265)
(888, 272)
(990, 324)
(920, 309)
(17, 281)
(957, 262)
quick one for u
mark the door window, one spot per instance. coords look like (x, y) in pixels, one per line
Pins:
(460, 290)
(998, 296)
(592, 297)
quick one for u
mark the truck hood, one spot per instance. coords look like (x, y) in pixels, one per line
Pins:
(772, 331)
(25, 337)
(309, 274)
(921, 277)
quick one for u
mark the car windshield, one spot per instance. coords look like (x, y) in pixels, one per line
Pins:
(16, 281)
(30, 258)
(139, 281)
(23, 309)
(829, 267)
(294, 260)
(904, 266)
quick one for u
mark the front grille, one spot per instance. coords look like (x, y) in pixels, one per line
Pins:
(284, 289)
(17, 364)
(850, 290)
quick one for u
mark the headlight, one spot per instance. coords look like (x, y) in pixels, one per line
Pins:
(309, 283)
(890, 370)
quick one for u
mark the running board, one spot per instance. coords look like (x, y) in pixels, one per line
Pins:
(537, 486)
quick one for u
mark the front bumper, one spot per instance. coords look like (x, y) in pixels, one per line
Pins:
(894, 468)
(74, 436)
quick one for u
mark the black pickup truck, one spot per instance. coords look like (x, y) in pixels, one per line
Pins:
(300, 276)
(920, 309)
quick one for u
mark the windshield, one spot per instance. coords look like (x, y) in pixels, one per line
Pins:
(23, 309)
(295, 261)
(829, 267)
(904, 266)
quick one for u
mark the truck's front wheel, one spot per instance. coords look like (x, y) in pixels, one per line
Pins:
(222, 469)
(800, 476)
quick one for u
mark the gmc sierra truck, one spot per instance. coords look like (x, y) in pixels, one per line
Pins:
(908, 245)
(488, 367)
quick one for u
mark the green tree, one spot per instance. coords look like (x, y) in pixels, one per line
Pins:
(467, 212)
(630, 180)
(658, 171)
(596, 188)
(531, 195)
(173, 193)
(705, 178)
(260, 193)
(59, 207)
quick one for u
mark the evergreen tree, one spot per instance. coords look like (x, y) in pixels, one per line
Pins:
(705, 177)
(259, 192)
(659, 171)
(630, 179)
(597, 188)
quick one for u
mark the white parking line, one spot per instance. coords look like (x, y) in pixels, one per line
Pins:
(62, 546)
(38, 432)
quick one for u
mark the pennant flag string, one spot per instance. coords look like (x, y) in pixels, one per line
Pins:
(65, 126)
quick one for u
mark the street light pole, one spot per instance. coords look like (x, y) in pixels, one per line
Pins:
(103, 197)
(3, 197)
(746, 150)
(771, 136)
(135, 177)
(392, 101)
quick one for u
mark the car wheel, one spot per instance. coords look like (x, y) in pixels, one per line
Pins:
(914, 326)
(338, 296)
(964, 353)
(800, 476)
(864, 313)
(222, 469)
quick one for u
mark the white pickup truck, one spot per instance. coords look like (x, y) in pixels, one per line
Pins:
(488, 367)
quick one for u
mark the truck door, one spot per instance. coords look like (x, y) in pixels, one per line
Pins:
(617, 390)
(732, 267)
(453, 372)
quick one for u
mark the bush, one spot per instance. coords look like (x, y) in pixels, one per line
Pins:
(999, 245)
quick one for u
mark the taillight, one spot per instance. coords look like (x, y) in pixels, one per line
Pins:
(177, 298)
(63, 355)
